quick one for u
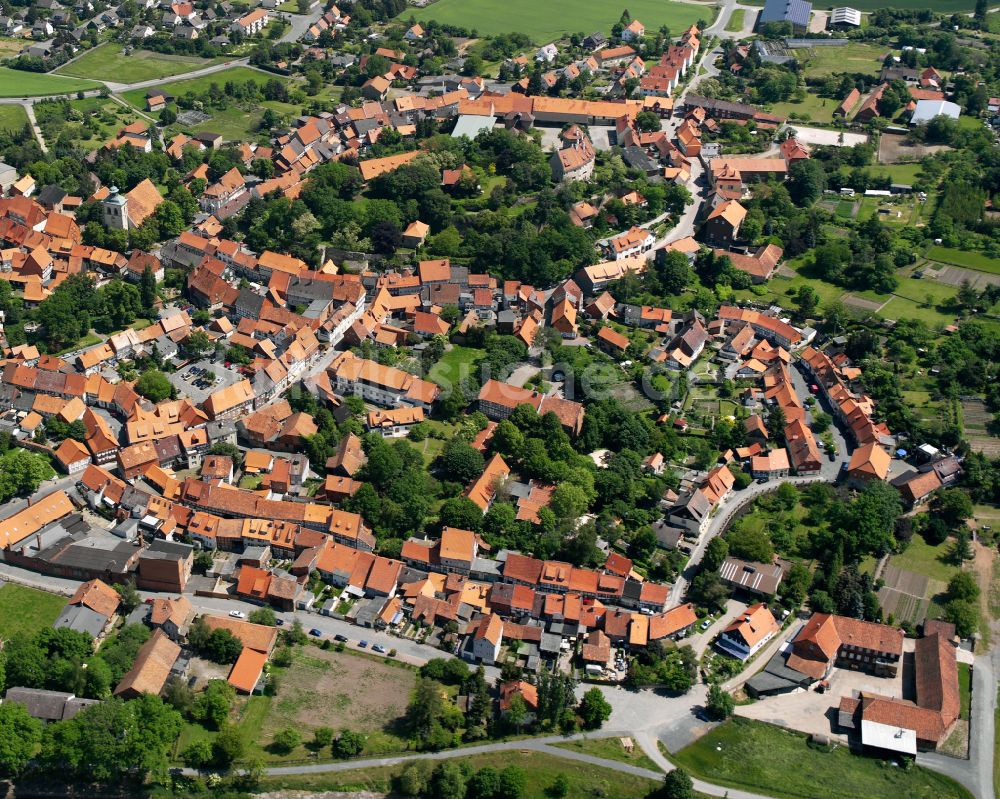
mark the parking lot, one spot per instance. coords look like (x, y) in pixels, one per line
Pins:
(192, 382)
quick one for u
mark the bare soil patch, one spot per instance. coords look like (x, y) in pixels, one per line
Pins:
(338, 689)
(893, 149)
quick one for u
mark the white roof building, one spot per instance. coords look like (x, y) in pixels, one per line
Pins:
(845, 16)
(884, 736)
(926, 110)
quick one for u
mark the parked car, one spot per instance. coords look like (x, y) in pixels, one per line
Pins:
(363, 644)
(237, 614)
(315, 632)
(378, 648)
(706, 624)
(339, 637)
(280, 622)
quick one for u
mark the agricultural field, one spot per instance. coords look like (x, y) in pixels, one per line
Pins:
(12, 117)
(583, 779)
(760, 757)
(17, 83)
(556, 18)
(27, 610)
(108, 62)
(853, 57)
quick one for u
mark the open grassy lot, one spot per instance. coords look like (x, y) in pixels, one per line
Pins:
(12, 117)
(17, 83)
(10, 47)
(964, 689)
(546, 22)
(812, 107)
(108, 62)
(455, 365)
(756, 756)
(610, 749)
(542, 769)
(26, 610)
(922, 558)
(853, 57)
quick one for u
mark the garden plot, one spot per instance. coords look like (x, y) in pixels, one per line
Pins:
(192, 118)
(975, 420)
(907, 595)
(956, 275)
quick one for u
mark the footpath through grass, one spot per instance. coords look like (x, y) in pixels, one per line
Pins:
(108, 62)
(546, 22)
(780, 763)
(611, 749)
(18, 83)
(542, 769)
(27, 610)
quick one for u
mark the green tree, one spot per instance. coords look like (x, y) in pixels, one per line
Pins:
(963, 615)
(223, 647)
(19, 735)
(213, 705)
(720, 703)
(594, 709)
(21, 472)
(953, 505)
(130, 598)
(263, 616)
(228, 746)
(286, 740)
(147, 289)
(677, 785)
(447, 781)
(348, 744)
(198, 754)
(154, 386)
(963, 586)
(461, 462)
(716, 551)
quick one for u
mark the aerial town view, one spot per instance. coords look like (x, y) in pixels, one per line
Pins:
(496, 399)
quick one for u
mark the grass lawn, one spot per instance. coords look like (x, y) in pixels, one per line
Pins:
(12, 117)
(610, 749)
(780, 763)
(735, 24)
(10, 47)
(970, 260)
(456, 363)
(542, 769)
(18, 83)
(556, 18)
(27, 610)
(811, 107)
(853, 57)
(922, 558)
(107, 62)
(964, 689)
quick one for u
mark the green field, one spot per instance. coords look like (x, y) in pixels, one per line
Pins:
(27, 610)
(970, 260)
(585, 780)
(12, 117)
(760, 757)
(17, 83)
(455, 364)
(108, 63)
(556, 18)
(853, 57)
(965, 689)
